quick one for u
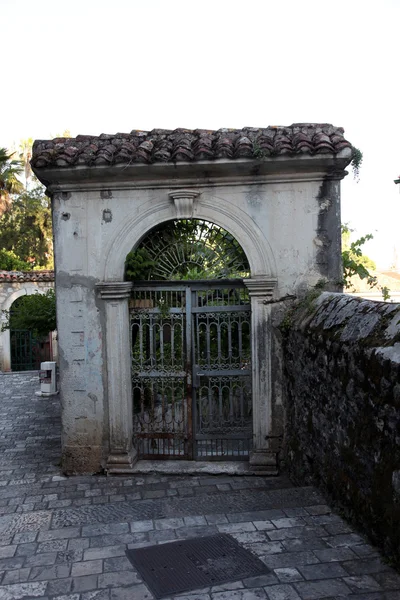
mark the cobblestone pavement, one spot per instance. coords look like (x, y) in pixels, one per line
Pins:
(66, 538)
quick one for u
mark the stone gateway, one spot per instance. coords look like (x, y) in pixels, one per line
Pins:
(276, 191)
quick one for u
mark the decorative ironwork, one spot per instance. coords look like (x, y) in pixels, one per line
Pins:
(187, 249)
(191, 370)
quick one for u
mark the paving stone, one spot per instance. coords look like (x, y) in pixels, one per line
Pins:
(119, 578)
(139, 526)
(233, 585)
(89, 567)
(54, 572)
(298, 544)
(115, 540)
(56, 534)
(263, 525)
(26, 549)
(282, 592)
(265, 548)
(21, 590)
(167, 535)
(12, 563)
(84, 584)
(288, 574)
(107, 552)
(97, 595)
(236, 527)
(251, 537)
(59, 587)
(364, 583)
(112, 528)
(138, 592)
(289, 559)
(46, 558)
(68, 556)
(322, 571)
(260, 515)
(216, 519)
(16, 576)
(333, 554)
(161, 524)
(365, 566)
(311, 590)
(52, 546)
(296, 532)
(254, 594)
(365, 550)
(78, 544)
(195, 521)
(344, 540)
(189, 532)
(260, 580)
(120, 563)
(288, 522)
(7, 551)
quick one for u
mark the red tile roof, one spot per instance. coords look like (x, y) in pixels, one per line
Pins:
(185, 145)
(23, 276)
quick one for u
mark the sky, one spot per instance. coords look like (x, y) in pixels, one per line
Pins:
(95, 66)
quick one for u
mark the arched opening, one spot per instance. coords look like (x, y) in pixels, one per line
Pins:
(190, 322)
(27, 350)
(187, 250)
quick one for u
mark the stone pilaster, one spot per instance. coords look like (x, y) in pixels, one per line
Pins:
(122, 455)
(261, 292)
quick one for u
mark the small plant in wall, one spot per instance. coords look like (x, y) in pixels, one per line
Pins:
(356, 161)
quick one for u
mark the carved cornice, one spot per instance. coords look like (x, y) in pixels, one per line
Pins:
(261, 287)
(114, 290)
(184, 202)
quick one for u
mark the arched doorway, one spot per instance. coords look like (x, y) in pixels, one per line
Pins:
(190, 322)
(27, 351)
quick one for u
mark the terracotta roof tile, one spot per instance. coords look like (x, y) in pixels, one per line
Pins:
(185, 145)
(23, 276)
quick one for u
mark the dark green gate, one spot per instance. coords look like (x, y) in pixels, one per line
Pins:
(27, 351)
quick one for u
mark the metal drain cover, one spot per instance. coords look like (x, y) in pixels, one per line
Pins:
(195, 563)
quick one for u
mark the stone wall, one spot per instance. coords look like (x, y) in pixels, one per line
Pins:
(342, 367)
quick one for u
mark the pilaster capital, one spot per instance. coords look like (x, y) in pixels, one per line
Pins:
(184, 202)
(114, 290)
(261, 287)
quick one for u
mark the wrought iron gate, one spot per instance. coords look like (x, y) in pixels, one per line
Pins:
(27, 352)
(191, 370)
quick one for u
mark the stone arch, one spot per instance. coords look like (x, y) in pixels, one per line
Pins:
(28, 289)
(216, 210)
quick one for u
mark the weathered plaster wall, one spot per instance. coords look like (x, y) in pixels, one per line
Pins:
(9, 292)
(288, 229)
(342, 369)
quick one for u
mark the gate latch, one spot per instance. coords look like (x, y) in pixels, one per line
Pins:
(196, 379)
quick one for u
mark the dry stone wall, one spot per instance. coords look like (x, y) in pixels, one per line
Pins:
(342, 366)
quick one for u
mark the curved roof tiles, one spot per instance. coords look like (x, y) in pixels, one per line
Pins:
(185, 145)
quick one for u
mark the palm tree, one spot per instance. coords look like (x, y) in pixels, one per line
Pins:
(9, 182)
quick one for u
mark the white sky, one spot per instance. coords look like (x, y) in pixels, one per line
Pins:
(101, 66)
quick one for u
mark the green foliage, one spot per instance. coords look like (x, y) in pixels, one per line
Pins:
(9, 261)
(36, 313)
(26, 230)
(356, 263)
(138, 265)
(10, 169)
(356, 162)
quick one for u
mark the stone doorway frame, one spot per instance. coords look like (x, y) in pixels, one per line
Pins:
(186, 204)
